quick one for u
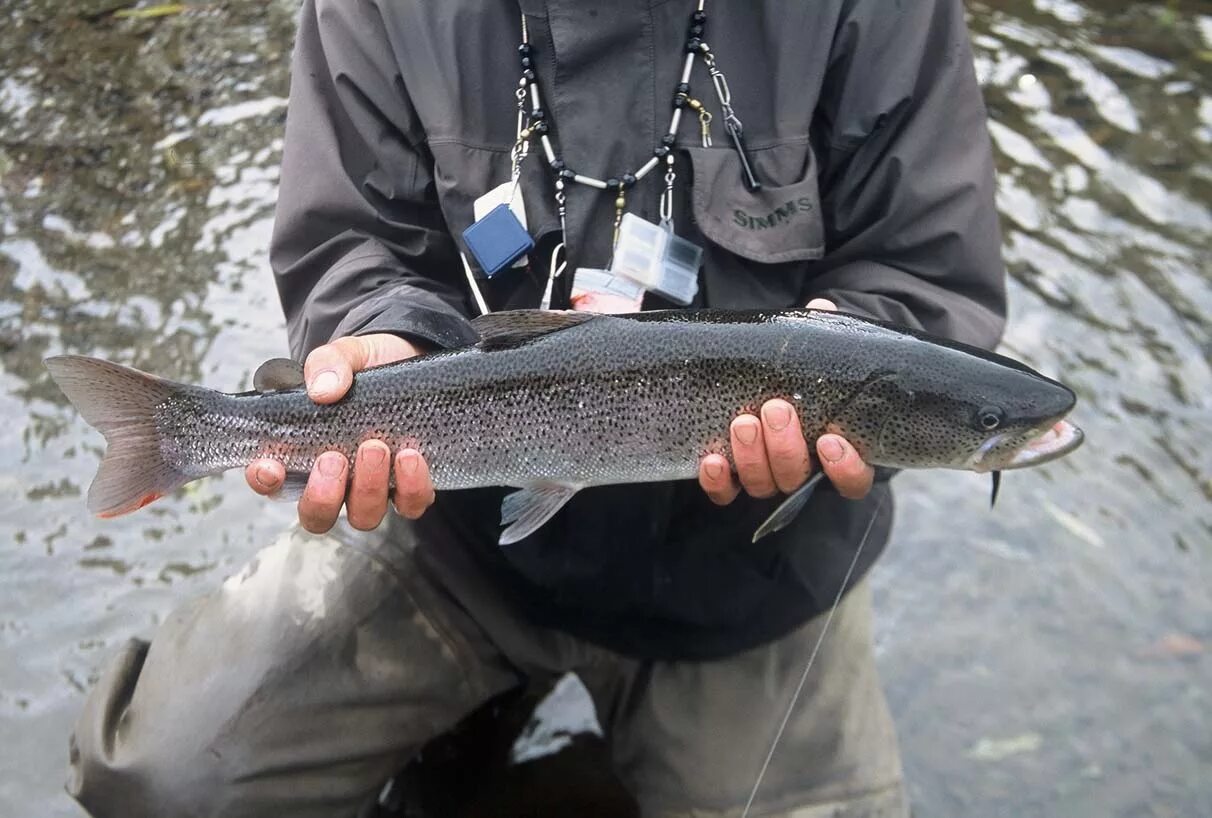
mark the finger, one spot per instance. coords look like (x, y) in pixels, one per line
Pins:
(414, 488)
(715, 476)
(325, 492)
(265, 476)
(328, 370)
(382, 348)
(785, 445)
(822, 304)
(749, 454)
(845, 469)
(367, 500)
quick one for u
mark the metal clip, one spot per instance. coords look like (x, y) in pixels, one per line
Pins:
(732, 123)
(719, 81)
(555, 269)
(666, 208)
(704, 119)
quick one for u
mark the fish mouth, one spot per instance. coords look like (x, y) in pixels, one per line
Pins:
(1060, 439)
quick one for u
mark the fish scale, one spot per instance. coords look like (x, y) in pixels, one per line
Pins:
(552, 402)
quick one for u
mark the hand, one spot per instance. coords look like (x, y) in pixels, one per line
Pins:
(771, 455)
(329, 372)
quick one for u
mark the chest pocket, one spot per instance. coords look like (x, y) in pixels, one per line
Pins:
(779, 223)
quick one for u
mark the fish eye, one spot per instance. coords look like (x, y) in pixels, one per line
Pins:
(989, 418)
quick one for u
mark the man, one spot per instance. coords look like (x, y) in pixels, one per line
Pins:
(308, 680)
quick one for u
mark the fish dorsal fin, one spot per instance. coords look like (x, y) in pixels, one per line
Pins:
(278, 373)
(515, 327)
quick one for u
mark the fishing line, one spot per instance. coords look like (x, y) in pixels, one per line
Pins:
(799, 688)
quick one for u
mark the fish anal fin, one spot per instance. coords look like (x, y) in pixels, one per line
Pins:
(512, 328)
(789, 509)
(278, 373)
(527, 509)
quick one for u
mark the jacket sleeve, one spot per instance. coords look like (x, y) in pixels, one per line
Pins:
(907, 177)
(359, 243)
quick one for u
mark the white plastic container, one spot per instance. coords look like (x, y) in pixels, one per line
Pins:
(656, 259)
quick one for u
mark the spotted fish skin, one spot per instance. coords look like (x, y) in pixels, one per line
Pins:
(605, 401)
(576, 400)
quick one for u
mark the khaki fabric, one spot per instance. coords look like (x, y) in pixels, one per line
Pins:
(307, 680)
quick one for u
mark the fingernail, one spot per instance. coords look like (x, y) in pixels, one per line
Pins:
(373, 456)
(325, 383)
(265, 478)
(777, 417)
(409, 462)
(714, 470)
(747, 431)
(331, 464)
(831, 449)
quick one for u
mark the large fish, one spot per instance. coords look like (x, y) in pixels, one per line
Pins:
(552, 402)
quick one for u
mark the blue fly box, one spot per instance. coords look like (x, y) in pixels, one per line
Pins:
(497, 240)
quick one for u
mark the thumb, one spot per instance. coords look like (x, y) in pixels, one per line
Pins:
(383, 348)
(328, 370)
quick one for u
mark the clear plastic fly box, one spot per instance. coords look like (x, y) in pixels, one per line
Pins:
(651, 255)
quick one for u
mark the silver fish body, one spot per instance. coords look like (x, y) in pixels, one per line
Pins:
(554, 402)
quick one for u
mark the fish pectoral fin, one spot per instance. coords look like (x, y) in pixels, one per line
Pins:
(278, 373)
(789, 509)
(500, 330)
(525, 510)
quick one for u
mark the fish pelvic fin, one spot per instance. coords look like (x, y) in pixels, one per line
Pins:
(526, 510)
(292, 487)
(120, 403)
(789, 509)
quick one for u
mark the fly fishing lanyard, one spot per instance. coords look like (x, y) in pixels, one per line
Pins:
(645, 256)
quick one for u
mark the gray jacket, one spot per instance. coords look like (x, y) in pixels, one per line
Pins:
(866, 126)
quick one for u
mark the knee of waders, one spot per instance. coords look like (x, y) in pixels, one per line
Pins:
(120, 768)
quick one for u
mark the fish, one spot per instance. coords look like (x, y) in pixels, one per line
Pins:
(552, 402)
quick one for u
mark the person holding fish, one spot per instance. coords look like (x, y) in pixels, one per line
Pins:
(463, 159)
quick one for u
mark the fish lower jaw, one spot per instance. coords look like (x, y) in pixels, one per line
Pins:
(1059, 440)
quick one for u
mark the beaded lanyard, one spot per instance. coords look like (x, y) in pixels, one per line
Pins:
(536, 122)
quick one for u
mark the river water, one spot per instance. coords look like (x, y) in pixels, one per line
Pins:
(1050, 657)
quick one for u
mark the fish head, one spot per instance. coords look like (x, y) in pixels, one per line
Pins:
(963, 408)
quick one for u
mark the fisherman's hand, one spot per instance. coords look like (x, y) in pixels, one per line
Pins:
(329, 372)
(771, 455)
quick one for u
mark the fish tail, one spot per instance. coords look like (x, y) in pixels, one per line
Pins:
(120, 403)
